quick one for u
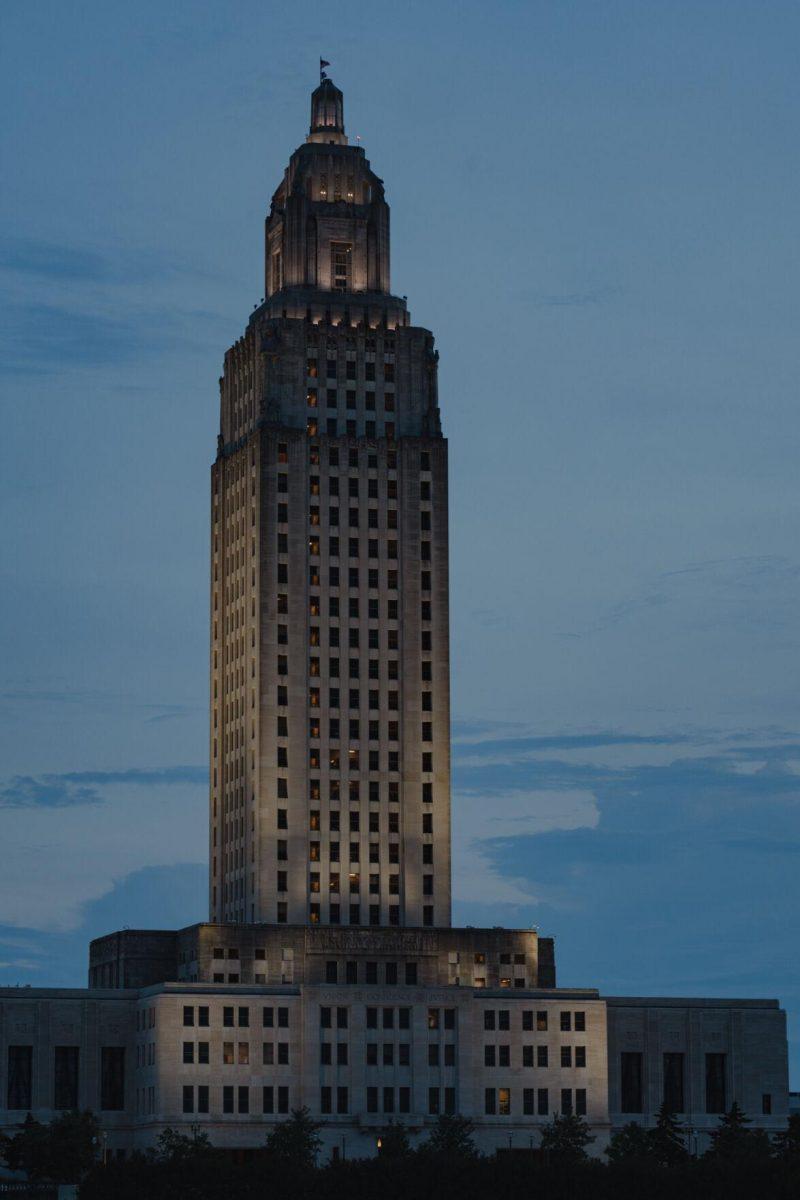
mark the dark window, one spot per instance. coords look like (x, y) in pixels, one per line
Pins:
(580, 1102)
(489, 1102)
(580, 1022)
(566, 1022)
(715, 1083)
(541, 1056)
(631, 1081)
(325, 1100)
(202, 1098)
(188, 1098)
(566, 1102)
(283, 1099)
(267, 1100)
(202, 1015)
(673, 1082)
(65, 1077)
(766, 1104)
(188, 1014)
(283, 1018)
(331, 972)
(372, 1099)
(542, 1102)
(112, 1078)
(227, 1099)
(528, 1108)
(433, 1101)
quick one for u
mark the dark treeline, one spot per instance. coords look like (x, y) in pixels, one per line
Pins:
(639, 1164)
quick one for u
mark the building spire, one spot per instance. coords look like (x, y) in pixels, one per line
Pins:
(327, 111)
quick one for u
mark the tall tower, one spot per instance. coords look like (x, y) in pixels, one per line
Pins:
(330, 712)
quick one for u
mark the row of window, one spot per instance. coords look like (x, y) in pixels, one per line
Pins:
(333, 399)
(65, 1078)
(500, 1056)
(373, 913)
(354, 580)
(497, 1101)
(353, 550)
(674, 1083)
(374, 788)
(350, 428)
(331, 369)
(233, 1015)
(355, 456)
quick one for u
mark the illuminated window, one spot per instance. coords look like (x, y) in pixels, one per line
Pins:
(341, 262)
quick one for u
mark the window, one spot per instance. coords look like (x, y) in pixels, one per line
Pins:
(227, 1016)
(766, 1104)
(715, 1083)
(542, 1102)
(227, 1099)
(541, 1022)
(528, 1105)
(489, 1102)
(580, 1056)
(504, 1056)
(227, 1054)
(202, 1098)
(433, 1101)
(341, 259)
(65, 1077)
(188, 1013)
(283, 1099)
(488, 1056)
(188, 1052)
(580, 1022)
(202, 1015)
(325, 1100)
(541, 1056)
(188, 1098)
(112, 1078)
(673, 1082)
(566, 1022)
(566, 1102)
(631, 1082)
(267, 1100)
(433, 1054)
(283, 1018)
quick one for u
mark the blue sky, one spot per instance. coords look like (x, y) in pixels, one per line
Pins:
(594, 207)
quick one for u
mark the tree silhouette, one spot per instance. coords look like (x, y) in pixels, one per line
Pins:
(732, 1141)
(632, 1143)
(451, 1136)
(667, 1139)
(786, 1143)
(296, 1140)
(565, 1139)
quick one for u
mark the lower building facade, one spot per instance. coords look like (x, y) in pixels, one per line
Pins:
(372, 1026)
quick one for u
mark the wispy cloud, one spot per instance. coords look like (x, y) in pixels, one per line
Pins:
(81, 787)
(728, 591)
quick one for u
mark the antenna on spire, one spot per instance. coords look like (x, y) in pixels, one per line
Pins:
(322, 65)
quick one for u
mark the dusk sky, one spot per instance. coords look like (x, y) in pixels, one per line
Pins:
(595, 209)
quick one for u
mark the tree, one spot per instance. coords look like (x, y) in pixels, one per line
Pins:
(732, 1141)
(565, 1139)
(786, 1143)
(393, 1141)
(62, 1151)
(296, 1140)
(451, 1136)
(667, 1139)
(174, 1147)
(631, 1143)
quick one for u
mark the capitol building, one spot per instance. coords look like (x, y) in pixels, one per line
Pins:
(329, 974)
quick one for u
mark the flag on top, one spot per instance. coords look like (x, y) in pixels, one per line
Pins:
(322, 64)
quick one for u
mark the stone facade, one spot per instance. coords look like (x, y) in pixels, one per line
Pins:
(236, 1058)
